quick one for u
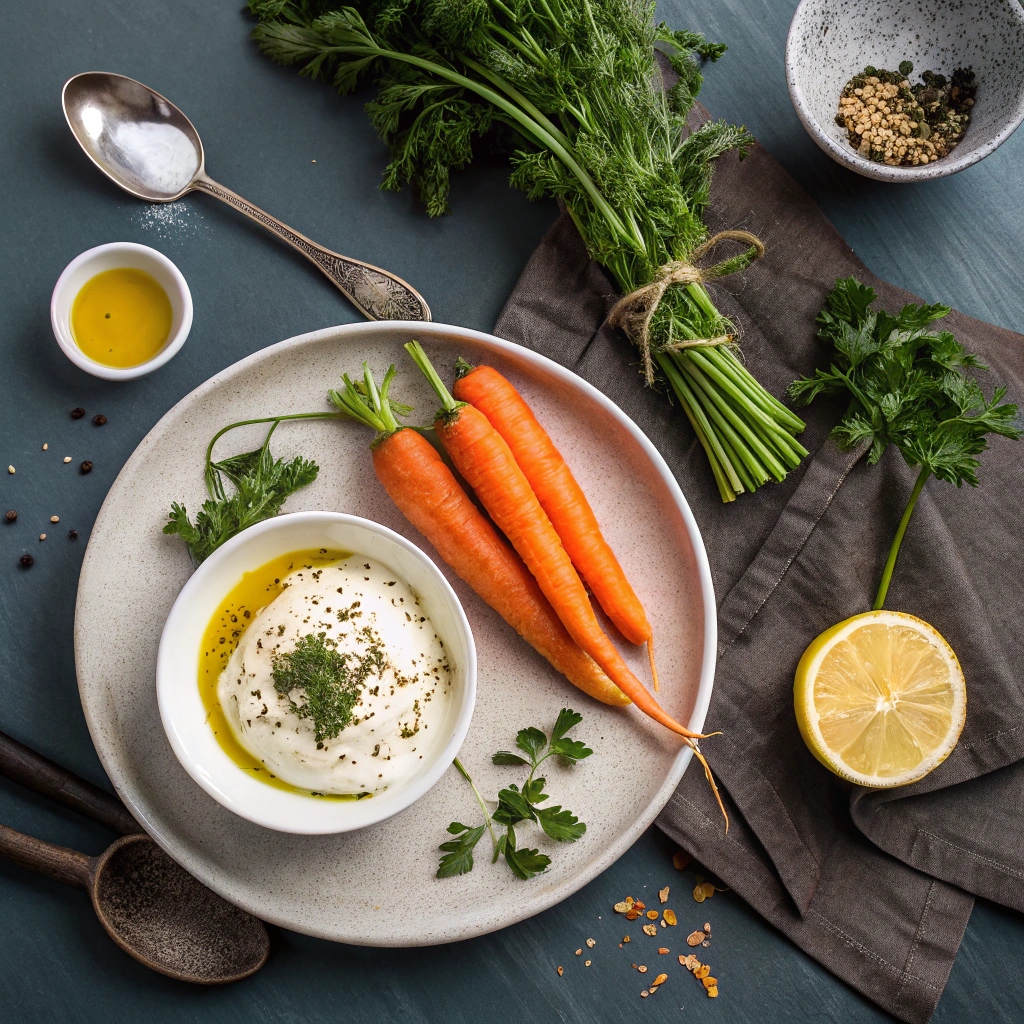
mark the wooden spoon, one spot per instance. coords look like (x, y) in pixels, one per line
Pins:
(151, 907)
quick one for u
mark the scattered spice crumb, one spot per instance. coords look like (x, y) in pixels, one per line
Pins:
(46, 447)
(560, 971)
(642, 969)
(67, 459)
(663, 950)
(644, 994)
(661, 979)
(650, 929)
(703, 891)
(680, 860)
(586, 963)
(86, 467)
(99, 419)
(707, 927)
(10, 469)
(72, 535)
(652, 915)
(663, 894)
(77, 413)
(11, 516)
(625, 938)
(54, 519)
(670, 917)
(579, 951)
(26, 561)
(591, 943)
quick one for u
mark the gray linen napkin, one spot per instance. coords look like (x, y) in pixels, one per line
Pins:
(875, 886)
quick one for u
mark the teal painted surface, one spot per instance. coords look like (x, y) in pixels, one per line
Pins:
(957, 240)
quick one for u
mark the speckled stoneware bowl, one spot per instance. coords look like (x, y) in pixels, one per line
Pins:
(376, 886)
(832, 40)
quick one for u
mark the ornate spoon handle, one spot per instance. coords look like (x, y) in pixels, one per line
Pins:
(377, 294)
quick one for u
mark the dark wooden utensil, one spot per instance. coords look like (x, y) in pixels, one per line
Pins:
(151, 907)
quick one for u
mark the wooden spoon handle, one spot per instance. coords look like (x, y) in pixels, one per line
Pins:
(57, 862)
(32, 770)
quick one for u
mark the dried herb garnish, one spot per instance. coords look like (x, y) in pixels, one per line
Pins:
(515, 805)
(326, 682)
(891, 121)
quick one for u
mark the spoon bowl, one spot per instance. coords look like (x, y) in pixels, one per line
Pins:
(157, 912)
(144, 144)
(135, 136)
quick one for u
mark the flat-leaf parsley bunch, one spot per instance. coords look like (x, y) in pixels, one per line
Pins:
(516, 805)
(570, 91)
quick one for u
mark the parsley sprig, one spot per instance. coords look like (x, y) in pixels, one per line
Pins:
(516, 805)
(261, 485)
(908, 387)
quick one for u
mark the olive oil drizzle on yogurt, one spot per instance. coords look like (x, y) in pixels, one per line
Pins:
(252, 593)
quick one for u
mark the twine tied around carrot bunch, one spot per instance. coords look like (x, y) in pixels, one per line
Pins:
(635, 311)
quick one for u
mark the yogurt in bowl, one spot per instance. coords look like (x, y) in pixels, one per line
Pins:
(316, 674)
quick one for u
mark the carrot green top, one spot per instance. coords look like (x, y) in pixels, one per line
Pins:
(367, 404)
(449, 406)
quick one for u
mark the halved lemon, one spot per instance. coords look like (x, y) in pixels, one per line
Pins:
(880, 699)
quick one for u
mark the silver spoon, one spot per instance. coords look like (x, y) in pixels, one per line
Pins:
(145, 144)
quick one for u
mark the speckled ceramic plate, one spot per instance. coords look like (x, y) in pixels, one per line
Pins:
(377, 886)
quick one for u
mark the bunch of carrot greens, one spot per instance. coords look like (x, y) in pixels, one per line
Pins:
(568, 89)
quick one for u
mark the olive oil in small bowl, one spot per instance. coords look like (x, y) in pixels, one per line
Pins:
(121, 310)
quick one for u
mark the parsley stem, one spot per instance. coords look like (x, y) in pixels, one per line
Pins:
(262, 419)
(479, 799)
(890, 562)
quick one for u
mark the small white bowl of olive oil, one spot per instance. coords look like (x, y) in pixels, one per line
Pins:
(121, 310)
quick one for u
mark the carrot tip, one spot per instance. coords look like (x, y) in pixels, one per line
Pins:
(711, 779)
(654, 667)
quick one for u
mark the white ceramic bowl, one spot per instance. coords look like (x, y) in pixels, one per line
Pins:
(832, 40)
(112, 256)
(177, 681)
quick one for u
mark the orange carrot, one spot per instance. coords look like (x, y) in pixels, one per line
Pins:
(487, 464)
(559, 494)
(427, 493)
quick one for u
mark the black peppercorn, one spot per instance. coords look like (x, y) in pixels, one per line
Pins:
(86, 467)
(77, 413)
(72, 535)
(11, 515)
(99, 419)
(26, 560)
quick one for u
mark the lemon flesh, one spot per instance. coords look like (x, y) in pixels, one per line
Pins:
(880, 699)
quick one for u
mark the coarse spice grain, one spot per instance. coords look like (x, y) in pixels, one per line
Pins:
(42, 536)
(11, 515)
(86, 467)
(46, 447)
(72, 535)
(99, 419)
(54, 519)
(890, 121)
(67, 459)
(26, 561)
(77, 413)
